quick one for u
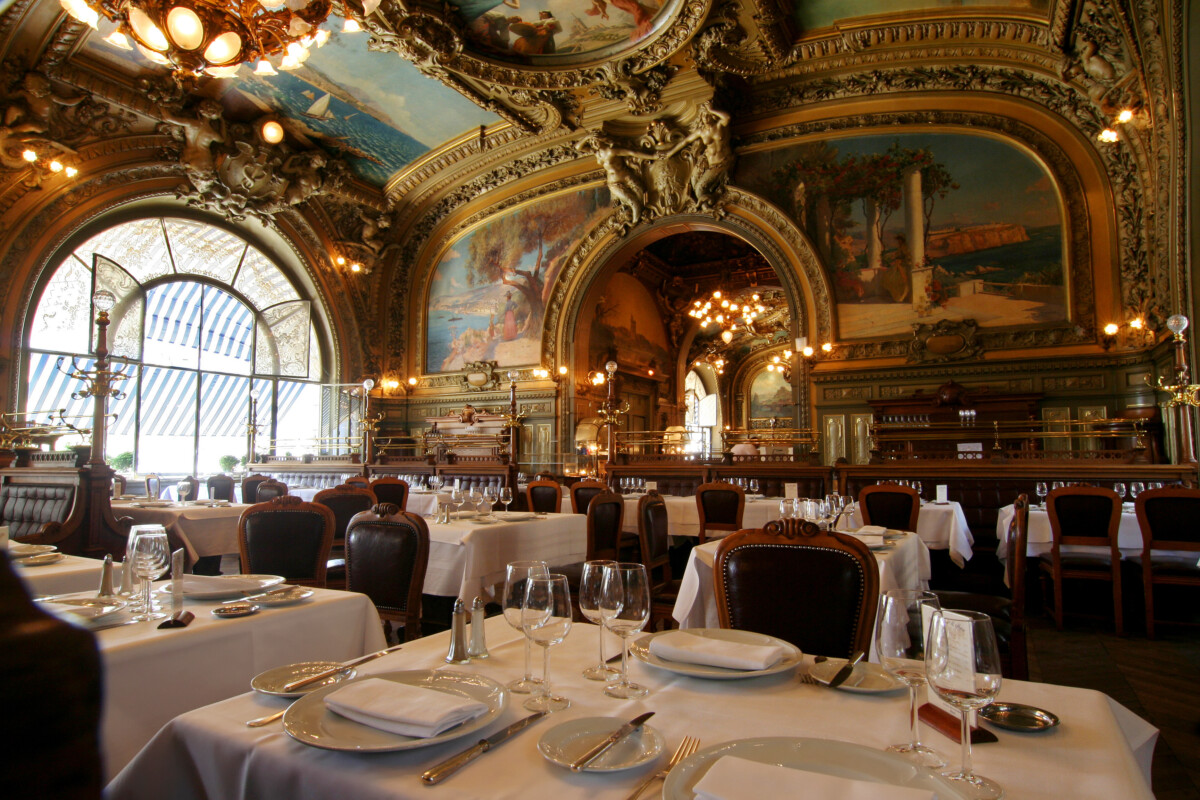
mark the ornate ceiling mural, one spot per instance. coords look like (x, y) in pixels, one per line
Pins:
(814, 14)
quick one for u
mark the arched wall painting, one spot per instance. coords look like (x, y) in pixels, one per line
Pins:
(923, 227)
(487, 295)
(628, 326)
(770, 396)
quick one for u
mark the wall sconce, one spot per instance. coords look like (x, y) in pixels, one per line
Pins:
(1131, 334)
(353, 266)
(44, 166)
(596, 377)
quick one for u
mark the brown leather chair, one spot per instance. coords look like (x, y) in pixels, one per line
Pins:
(582, 493)
(250, 487)
(1007, 613)
(269, 489)
(387, 553)
(816, 589)
(359, 480)
(604, 516)
(1083, 516)
(890, 505)
(391, 490)
(344, 501)
(153, 486)
(720, 506)
(287, 537)
(1168, 519)
(654, 539)
(220, 487)
(544, 497)
(188, 489)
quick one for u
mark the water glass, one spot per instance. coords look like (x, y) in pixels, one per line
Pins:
(489, 500)
(590, 586)
(625, 608)
(151, 557)
(1119, 488)
(506, 497)
(515, 585)
(546, 621)
(457, 498)
(900, 644)
(786, 508)
(1136, 488)
(754, 486)
(1041, 492)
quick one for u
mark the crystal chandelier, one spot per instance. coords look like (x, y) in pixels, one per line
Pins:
(213, 37)
(732, 315)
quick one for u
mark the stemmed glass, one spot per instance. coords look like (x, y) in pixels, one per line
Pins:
(546, 619)
(475, 498)
(457, 498)
(962, 664)
(435, 482)
(754, 486)
(515, 585)
(506, 497)
(151, 557)
(1119, 488)
(1136, 488)
(625, 607)
(590, 586)
(785, 509)
(1041, 492)
(900, 643)
(489, 500)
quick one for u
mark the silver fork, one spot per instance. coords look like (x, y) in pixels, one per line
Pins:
(686, 748)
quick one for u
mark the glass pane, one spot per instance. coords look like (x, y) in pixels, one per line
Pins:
(168, 424)
(264, 390)
(283, 337)
(201, 249)
(139, 246)
(125, 319)
(299, 421)
(223, 413)
(261, 281)
(227, 333)
(122, 421)
(173, 324)
(314, 355)
(49, 390)
(63, 319)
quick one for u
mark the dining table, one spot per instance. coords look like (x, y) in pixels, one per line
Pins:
(941, 525)
(1040, 539)
(205, 529)
(683, 517)
(305, 493)
(1100, 749)
(68, 574)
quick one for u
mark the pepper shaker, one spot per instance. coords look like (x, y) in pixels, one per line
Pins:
(458, 635)
(106, 578)
(478, 646)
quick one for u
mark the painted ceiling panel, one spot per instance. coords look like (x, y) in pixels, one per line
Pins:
(813, 14)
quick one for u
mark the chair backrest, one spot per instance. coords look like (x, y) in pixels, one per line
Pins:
(387, 553)
(545, 497)
(287, 537)
(720, 507)
(1169, 519)
(250, 487)
(188, 488)
(816, 589)
(390, 490)
(220, 487)
(653, 533)
(545, 476)
(1084, 515)
(1014, 565)
(582, 493)
(118, 485)
(25, 509)
(604, 515)
(345, 501)
(890, 505)
(153, 486)
(358, 480)
(269, 489)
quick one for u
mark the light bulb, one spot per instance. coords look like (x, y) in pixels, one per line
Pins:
(29, 156)
(272, 131)
(56, 166)
(223, 49)
(150, 34)
(72, 172)
(351, 26)
(81, 11)
(185, 28)
(1125, 115)
(264, 68)
(368, 384)
(1136, 323)
(827, 347)
(412, 381)
(1108, 136)
(1111, 329)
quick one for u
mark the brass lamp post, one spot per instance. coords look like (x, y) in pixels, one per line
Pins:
(1184, 393)
(612, 409)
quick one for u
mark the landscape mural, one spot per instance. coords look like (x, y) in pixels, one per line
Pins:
(922, 227)
(628, 325)
(770, 396)
(488, 292)
(813, 14)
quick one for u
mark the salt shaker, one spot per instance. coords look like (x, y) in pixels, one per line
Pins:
(458, 635)
(106, 578)
(478, 646)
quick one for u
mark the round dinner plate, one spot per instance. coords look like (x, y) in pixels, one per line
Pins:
(272, 681)
(40, 559)
(826, 756)
(791, 656)
(219, 593)
(867, 678)
(513, 516)
(21, 550)
(85, 608)
(284, 596)
(310, 722)
(564, 744)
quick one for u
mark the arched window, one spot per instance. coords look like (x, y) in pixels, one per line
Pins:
(205, 322)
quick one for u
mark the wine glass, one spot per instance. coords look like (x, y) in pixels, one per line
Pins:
(546, 620)
(475, 498)
(515, 581)
(785, 509)
(435, 482)
(754, 486)
(1041, 492)
(900, 643)
(457, 498)
(1119, 488)
(590, 586)
(917, 485)
(151, 557)
(625, 607)
(1057, 485)
(962, 664)
(1136, 488)
(489, 500)
(506, 497)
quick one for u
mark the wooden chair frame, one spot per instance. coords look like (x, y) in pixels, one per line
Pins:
(579, 486)
(890, 488)
(661, 607)
(705, 524)
(1058, 573)
(529, 494)
(390, 513)
(1150, 544)
(290, 505)
(605, 497)
(390, 481)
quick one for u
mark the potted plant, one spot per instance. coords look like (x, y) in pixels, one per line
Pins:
(228, 463)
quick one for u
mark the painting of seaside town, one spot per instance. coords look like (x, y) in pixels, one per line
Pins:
(770, 396)
(922, 227)
(488, 293)
(628, 326)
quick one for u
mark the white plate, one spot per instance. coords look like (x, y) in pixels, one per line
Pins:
(791, 655)
(867, 678)
(284, 596)
(564, 744)
(273, 680)
(217, 593)
(85, 608)
(513, 516)
(310, 722)
(20, 549)
(153, 504)
(39, 560)
(843, 759)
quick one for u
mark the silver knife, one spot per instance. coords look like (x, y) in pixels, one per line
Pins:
(847, 670)
(345, 665)
(619, 734)
(440, 772)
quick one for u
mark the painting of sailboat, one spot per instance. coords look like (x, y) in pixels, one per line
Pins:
(320, 109)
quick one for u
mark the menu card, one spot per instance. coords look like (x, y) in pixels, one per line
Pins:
(943, 493)
(651, 486)
(791, 491)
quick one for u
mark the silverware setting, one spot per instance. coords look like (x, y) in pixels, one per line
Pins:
(609, 741)
(847, 670)
(445, 769)
(687, 747)
(267, 720)
(320, 676)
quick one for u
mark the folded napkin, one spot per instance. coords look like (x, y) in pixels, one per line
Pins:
(692, 649)
(400, 708)
(219, 583)
(733, 778)
(870, 530)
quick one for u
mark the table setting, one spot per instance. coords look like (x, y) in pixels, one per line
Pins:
(206, 528)
(45, 570)
(941, 524)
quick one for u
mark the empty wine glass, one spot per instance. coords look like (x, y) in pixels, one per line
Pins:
(785, 509)
(151, 557)
(962, 664)
(457, 498)
(590, 586)
(506, 497)
(624, 608)
(474, 498)
(546, 620)
(1057, 485)
(1136, 488)
(917, 485)
(900, 643)
(489, 500)
(1119, 488)
(516, 582)
(435, 482)
(1041, 492)
(754, 486)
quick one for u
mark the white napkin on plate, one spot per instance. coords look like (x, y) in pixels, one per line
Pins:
(733, 778)
(870, 530)
(219, 583)
(693, 649)
(400, 708)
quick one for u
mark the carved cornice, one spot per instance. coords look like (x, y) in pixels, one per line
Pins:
(963, 370)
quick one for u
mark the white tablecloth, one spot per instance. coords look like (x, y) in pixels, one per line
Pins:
(905, 566)
(305, 493)
(683, 518)
(1100, 750)
(1041, 538)
(72, 574)
(152, 675)
(205, 530)
(942, 526)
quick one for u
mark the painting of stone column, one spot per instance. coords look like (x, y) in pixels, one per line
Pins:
(922, 227)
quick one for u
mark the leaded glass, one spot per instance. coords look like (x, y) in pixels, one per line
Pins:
(63, 316)
(139, 246)
(201, 249)
(261, 282)
(283, 337)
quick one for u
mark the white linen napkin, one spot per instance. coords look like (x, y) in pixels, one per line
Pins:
(693, 649)
(219, 583)
(870, 530)
(400, 708)
(733, 778)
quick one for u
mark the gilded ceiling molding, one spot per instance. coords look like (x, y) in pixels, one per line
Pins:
(723, 45)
